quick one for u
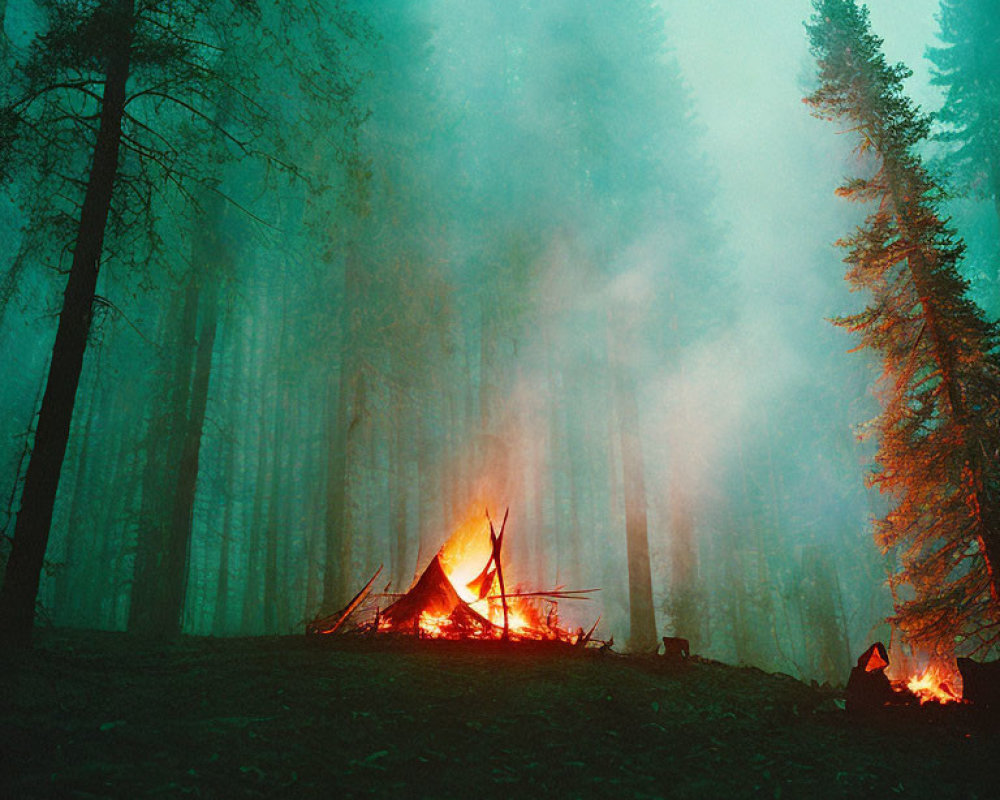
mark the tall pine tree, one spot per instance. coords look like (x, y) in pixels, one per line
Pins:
(124, 99)
(939, 431)
(968, 68)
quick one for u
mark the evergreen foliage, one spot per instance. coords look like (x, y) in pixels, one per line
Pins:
(939, 431)
(160, 95)
(968, 68)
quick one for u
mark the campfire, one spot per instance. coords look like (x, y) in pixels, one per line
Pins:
(969, 683)
(932, 684)
(457, 597)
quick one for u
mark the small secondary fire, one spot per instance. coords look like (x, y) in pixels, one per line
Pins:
(933, 684)
(456, 597)
(869, 688)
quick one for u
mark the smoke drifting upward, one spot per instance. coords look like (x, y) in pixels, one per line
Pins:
(712, 303)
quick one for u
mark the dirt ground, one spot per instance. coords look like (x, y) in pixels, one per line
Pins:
(100, 715)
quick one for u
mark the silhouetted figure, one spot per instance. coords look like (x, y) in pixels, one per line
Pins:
(868, 688)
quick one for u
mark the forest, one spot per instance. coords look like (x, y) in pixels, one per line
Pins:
(289, 290)
(696, 302)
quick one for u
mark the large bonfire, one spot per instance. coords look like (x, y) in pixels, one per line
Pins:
(457, 597)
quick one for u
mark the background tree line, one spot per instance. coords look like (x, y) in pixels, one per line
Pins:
(366, 267)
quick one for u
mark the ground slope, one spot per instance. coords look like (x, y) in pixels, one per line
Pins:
(100, 715)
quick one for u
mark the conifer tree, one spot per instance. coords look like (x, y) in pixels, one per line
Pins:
(123, 96)
(968, 67)
(939, 430)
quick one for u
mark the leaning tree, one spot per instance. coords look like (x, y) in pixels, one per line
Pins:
(939, 430)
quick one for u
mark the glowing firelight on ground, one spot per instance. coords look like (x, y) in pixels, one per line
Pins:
(933, 684)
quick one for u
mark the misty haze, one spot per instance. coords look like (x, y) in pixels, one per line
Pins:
(696, 301)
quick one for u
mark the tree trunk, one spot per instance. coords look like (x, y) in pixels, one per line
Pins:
(575, 459)
(683, 561)
(400, 425)
(174, 575)
(251, 616)
(221, 608)
(31, 532)
(429, 491)
(347, 421)
(271, 526)
(4, 49)
(642, 618)
(231, 470)
(316, 533)
(164, 448)
(337, 548)
(280, 425)
(69, 577)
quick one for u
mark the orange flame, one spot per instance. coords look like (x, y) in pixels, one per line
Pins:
(466, 551)
(463, 557)
(934, 684)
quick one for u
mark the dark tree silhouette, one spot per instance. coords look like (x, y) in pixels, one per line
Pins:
(114, 29)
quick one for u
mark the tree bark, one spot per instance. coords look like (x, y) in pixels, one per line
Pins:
(4, 47)
(31, 532)
(429, 492)
(69, 578)
(337, 547)
(231, 470)
(347, 421)
(174, 575)
(683, 561)
(280, 424)
(642, 618)
(271, 526)
(251, 613)
(164, 447)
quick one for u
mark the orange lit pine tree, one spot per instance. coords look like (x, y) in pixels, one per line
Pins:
(939, 431)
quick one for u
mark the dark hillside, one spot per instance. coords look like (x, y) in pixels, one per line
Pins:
(98, 715)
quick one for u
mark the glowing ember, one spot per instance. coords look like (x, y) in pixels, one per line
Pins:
(933, 684)
(432, 625)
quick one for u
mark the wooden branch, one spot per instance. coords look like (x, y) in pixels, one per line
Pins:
(326, 627)
(582, 641)
(559, 594)
(497, 543)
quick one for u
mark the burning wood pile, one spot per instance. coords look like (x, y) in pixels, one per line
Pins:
(870, 689)
(454, 599)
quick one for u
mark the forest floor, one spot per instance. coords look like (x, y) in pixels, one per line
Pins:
(101, 715)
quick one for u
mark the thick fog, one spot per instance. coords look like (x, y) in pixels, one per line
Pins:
(574, 259)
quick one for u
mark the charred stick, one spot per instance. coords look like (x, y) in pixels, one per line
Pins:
(583, 642)
(568, 594)
(325, 626)
(497, 543)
